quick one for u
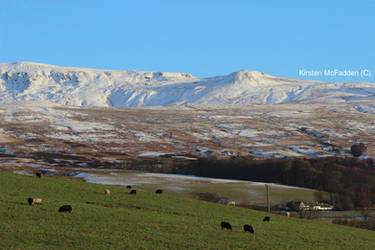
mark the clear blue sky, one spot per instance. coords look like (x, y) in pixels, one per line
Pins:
(202, 37)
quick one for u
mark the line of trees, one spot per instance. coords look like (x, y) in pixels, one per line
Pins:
(350, 181)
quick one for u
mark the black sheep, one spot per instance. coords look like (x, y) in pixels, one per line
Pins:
(248, 228)
(30, 201)
(225, 225)
(267, 218)
(159, 191)
(66, 208)
(133, 191)
(128, 186)
(39, 175)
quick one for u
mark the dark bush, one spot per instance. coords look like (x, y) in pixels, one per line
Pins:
(293, 205)
(358, 149)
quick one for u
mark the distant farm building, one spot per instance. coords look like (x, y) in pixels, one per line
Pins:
(315, 206)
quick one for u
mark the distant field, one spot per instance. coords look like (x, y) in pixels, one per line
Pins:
(242, 192)
(148, 221)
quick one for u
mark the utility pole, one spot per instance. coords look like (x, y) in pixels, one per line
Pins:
(268, 198)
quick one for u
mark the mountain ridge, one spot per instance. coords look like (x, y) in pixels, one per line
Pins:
(26, 81)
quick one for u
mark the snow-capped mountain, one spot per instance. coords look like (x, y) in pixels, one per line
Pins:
(88, 87)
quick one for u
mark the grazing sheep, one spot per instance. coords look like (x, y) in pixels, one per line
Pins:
(248, 228)
(232, 203)
(107, 192)
(133, 191)
(39, 175)
(225, 225)
(159, 191)
(287, 214)
(128, 186)
(36, 201)
(66, 208)
(267, 218)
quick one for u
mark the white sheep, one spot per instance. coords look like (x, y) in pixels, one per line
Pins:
(35, 201)
(107, 192)
(232, 203)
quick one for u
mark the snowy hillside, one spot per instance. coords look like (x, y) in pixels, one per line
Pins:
(48, 134)
(89, 87)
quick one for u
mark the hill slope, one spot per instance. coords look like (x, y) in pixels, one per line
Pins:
(147, 220)
(89, 87)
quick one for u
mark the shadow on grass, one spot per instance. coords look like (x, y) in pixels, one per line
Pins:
(16, 202)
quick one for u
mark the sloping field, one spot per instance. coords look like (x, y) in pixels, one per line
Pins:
(242, 192)
(148, 221)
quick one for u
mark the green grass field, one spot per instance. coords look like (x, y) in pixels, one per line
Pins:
(245, 193)
(148, 221)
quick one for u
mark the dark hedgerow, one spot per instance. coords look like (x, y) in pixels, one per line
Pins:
(350, 181)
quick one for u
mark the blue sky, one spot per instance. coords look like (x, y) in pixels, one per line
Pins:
(205, 38)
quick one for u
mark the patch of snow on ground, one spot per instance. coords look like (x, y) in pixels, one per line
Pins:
(158, 178)
(260, 153)
(151, 154)
(305, 151)
(23, 172)
(364, 157)
(366, 109)
(144, 137)
(201, 136)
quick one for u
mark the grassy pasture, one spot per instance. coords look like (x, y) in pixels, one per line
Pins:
(148, 221)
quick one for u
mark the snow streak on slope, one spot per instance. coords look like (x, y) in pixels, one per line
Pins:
(89, 87)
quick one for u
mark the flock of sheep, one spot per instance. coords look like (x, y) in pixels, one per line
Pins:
(68, 208)
(38, 201)
(246, 227)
